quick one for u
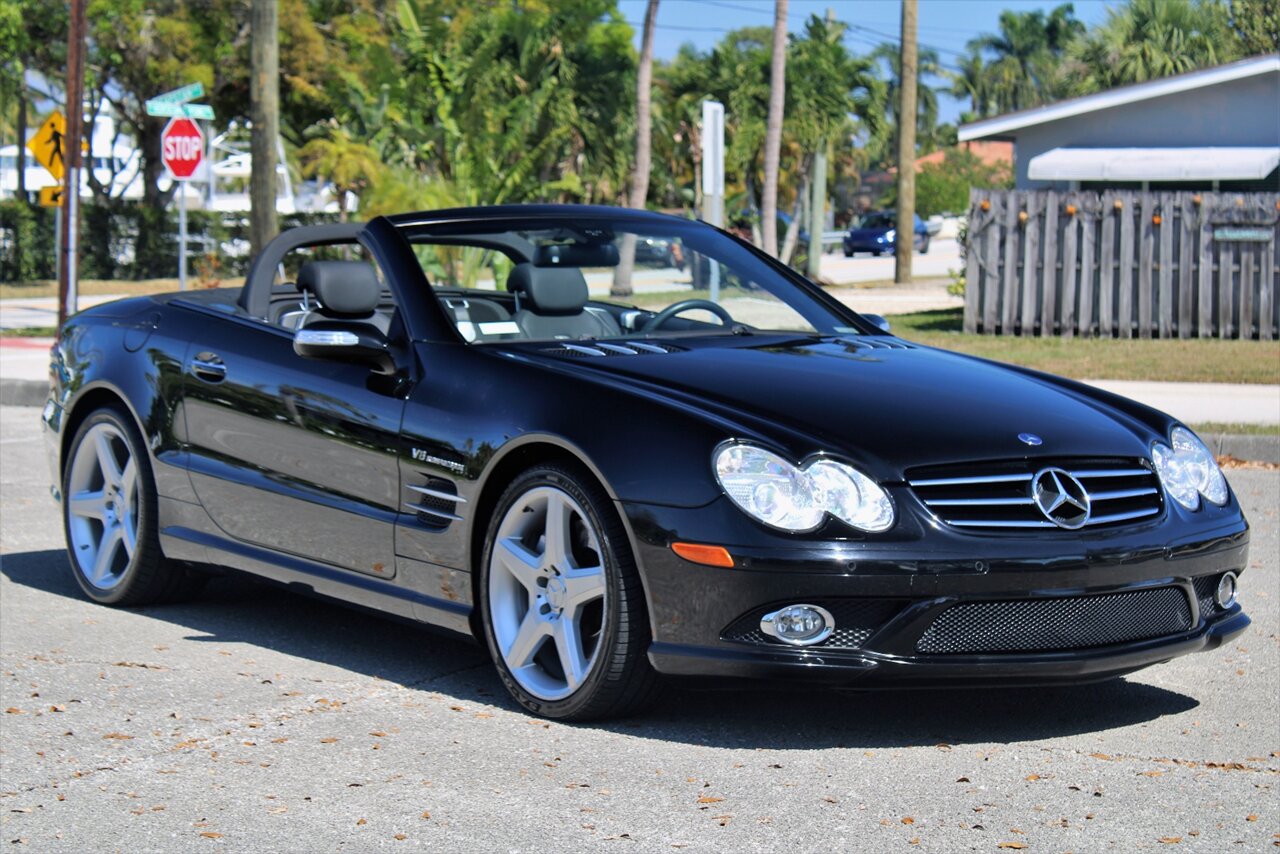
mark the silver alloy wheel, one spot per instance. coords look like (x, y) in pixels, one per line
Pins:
(547, 593)
(102, 506)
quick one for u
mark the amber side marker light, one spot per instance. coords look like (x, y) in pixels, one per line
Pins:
(705, 555)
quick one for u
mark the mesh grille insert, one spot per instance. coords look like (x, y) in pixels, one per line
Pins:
(1206, 586)
(1043, 625)
(856, 620)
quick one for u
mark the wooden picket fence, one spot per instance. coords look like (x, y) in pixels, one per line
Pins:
(1123, 263)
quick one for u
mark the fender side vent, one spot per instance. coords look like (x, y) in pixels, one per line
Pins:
(435, 500)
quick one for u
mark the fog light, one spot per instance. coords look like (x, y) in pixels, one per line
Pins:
(799, 625)
(1226, 595)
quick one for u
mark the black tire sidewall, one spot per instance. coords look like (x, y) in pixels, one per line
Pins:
(560, 477)
(146, 539)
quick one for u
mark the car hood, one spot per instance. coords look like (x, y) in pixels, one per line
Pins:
(883, 402)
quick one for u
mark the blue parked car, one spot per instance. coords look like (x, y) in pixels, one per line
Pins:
(876, 232)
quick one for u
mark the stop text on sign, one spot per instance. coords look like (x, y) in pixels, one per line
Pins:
(181, 147)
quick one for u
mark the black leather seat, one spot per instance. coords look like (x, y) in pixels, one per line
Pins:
(552, 303)
(345, 290)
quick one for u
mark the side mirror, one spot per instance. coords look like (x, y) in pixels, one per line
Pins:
(877, 320)
(357, 342)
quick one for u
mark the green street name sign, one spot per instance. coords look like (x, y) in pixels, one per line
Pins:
(191, 111)
(180, 95)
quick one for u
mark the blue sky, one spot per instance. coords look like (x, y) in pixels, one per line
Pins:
(944, 24)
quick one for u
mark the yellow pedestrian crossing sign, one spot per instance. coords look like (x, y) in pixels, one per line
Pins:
(49, 145)
(52, 197)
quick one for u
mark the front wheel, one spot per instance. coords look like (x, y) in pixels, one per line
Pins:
(561, 600)
(109, 517)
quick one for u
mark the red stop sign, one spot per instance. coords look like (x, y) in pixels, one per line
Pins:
(181, 147)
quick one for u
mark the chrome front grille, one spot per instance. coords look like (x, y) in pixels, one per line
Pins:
(1002, 496)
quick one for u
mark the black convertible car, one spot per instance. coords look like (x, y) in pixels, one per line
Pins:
(449, 417)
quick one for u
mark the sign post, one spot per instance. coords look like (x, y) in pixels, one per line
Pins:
(182, 149)
(713, 178)
(55, 197)
(49, 145)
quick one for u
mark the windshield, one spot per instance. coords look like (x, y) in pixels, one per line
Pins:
(877, 220)
(596, 279)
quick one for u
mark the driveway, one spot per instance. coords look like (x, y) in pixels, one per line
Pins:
(252, 719)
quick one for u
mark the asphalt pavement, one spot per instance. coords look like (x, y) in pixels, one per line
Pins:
(252, 719)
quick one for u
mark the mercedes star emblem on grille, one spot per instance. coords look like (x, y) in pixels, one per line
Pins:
(1061, 498)
(1030, 439)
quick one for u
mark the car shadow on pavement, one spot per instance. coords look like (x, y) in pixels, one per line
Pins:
(235, 609)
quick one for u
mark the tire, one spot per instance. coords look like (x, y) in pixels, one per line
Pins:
(566, 625)
(109, 517)
(924, 246)
(848, 253)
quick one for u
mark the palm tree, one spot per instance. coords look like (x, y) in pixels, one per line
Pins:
(927, 65)
(1025, 57)
(644, 146)
(773, 129)
(969, 81)
(1149, 39)
(347, 164)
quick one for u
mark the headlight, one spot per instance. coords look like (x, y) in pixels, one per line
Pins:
(782, 495)
(1188, 470)
(889, 235)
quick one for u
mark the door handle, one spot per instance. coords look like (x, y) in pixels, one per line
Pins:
(209, 367)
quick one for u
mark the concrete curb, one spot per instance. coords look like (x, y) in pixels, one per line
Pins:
(23, 392)
(1254, 449)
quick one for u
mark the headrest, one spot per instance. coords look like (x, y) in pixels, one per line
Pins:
(344, 288)
(549, 290)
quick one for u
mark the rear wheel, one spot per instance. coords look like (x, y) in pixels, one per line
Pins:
(924, 246)
(563, 609)
(109, 517)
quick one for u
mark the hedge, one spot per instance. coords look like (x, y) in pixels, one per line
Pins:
(124, 240)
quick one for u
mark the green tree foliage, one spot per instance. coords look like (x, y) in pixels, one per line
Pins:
(1148, 39)
(519, 104)
(1257, 25)
(944, 187)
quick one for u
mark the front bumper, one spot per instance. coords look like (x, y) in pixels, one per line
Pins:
(701, 615)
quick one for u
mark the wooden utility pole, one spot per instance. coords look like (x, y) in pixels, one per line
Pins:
(644, 148)
(72, 160)
(904, 243)
(773, 131)
(264, 112)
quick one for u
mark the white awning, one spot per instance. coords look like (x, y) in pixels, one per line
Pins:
(1154, 164)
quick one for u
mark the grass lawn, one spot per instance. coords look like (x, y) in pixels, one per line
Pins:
(1173, 360)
